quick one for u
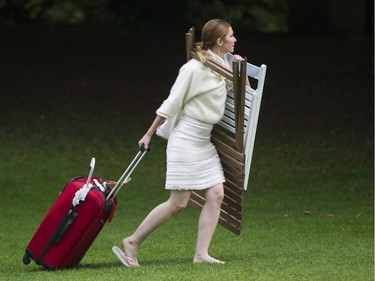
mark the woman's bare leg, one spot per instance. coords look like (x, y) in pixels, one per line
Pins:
(208, 220)
(160, 214)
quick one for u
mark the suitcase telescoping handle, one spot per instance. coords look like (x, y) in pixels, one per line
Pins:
(92, 167)
(81, 194)
(129, 170)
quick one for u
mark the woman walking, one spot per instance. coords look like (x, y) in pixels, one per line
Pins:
(197, 100)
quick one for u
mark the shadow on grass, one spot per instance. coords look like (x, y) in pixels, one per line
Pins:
(89, 266)
(144, 263)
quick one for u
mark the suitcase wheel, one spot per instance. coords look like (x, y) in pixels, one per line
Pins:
(26, 259)
(49, 267)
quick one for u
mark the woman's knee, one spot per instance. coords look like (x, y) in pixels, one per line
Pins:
(215, 194)
(180, 206)
(179, 200)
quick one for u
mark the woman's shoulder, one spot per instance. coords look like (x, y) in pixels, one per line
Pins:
(193, 64)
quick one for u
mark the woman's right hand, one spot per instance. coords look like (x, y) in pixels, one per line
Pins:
(145, 141)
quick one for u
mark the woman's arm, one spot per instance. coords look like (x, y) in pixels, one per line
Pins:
(146, 139)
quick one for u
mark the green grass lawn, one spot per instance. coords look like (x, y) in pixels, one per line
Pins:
(309, 212)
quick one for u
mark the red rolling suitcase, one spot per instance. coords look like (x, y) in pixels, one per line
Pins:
(75, 219)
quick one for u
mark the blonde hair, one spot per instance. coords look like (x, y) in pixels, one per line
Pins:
(211, 31)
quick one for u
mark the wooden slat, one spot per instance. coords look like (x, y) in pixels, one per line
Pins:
(232, 207)
(225, 158)
(221, 132)
(194, 203)
(235, 160)
(231, 223)
(240, 104)
(227, 149)
(234, 200)
(236, 221)
(233, 186)
(189, 37)
(237, 181)
(222, 70)
(236, 95)
(228, 128)
(238, 173)
(232, 193)
(198, 198)
(234, 182)
(218, 135)
(230, 226)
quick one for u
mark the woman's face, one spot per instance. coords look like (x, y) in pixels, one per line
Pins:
(228, 42)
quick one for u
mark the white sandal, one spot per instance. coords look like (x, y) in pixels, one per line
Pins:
(123, 258)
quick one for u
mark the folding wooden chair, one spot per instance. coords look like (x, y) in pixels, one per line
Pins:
(234, 135)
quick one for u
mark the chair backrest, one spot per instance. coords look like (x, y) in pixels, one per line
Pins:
(253, 98)
(234, 135)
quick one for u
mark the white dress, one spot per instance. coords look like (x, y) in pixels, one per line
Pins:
(199, 95)
(192, 160)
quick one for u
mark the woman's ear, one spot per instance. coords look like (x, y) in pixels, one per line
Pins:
(219, 41)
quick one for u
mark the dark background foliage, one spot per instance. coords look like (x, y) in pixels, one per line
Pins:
(266, 16)
(314, 50)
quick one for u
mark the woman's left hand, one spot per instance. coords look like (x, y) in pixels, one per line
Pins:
(238, 58)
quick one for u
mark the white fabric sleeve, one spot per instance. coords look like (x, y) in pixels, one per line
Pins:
(178, 93)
